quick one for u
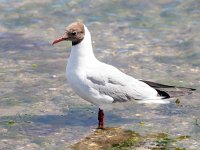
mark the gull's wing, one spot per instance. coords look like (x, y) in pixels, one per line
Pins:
(110, 81)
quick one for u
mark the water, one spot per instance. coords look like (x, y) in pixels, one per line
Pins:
(157, 40)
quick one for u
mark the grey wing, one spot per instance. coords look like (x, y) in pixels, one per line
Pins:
(111, 87)
(110, 81)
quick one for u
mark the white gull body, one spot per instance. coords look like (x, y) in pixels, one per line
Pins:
(100, 83)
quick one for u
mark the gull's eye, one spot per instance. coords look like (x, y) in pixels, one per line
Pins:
(74, 33)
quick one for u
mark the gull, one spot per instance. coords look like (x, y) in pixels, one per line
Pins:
(100, 83)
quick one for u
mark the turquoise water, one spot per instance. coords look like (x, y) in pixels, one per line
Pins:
(152, 40)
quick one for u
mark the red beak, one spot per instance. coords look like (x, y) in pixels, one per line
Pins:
(64, 37)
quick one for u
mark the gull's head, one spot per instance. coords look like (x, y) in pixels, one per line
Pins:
(74, 32)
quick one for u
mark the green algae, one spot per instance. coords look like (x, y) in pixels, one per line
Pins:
(134, 139)
(142, 123)
(11, 122)
(125, 144)
(183, 137)
(164, 141)
(34, 65)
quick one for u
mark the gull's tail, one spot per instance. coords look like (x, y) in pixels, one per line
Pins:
(167, 91)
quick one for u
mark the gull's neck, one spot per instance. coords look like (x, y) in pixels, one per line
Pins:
(82, 53)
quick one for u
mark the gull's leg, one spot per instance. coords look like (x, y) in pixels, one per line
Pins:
(101, 119)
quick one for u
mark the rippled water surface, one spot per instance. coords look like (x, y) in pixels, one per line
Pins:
(152, 40)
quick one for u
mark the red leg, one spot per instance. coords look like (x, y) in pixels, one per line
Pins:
(101, 119)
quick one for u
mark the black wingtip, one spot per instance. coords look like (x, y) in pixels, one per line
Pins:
(163, 94)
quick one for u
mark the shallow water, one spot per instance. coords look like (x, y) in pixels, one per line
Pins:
(157, 40)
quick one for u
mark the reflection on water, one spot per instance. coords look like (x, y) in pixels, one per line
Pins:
(157, 40)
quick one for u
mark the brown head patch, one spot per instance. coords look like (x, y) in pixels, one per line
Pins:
(75, 32)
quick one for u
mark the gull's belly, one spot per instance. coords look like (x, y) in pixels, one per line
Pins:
(77, 84)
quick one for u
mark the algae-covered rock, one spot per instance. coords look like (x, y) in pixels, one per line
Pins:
(121, 139)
